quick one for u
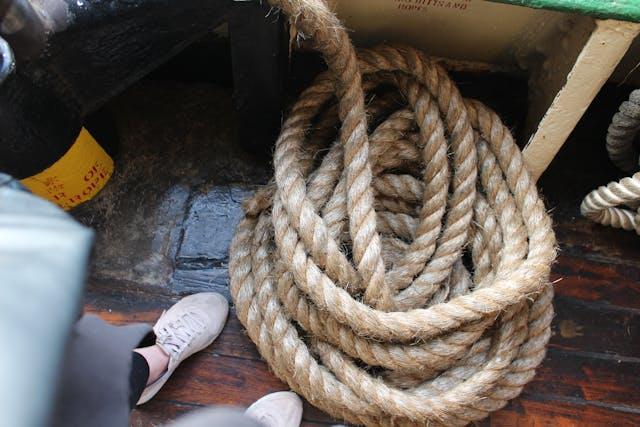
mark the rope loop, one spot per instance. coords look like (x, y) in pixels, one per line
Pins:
(617, 204)
(396, 270)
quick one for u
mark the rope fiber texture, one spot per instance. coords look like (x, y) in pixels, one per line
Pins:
(617, 204)
(396, 271)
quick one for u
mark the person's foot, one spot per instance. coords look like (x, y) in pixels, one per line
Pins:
(191, 325)
(281, 409)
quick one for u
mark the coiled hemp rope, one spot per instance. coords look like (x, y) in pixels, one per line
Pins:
(400, 275)
(605, 204)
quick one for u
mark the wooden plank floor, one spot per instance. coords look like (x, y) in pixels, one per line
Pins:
(164, 223)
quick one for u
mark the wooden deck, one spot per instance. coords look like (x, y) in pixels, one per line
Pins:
(165, 221)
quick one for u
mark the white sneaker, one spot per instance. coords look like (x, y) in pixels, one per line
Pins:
(281, 409)
(186, 328)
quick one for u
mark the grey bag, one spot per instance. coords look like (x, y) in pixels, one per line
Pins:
(43, 259)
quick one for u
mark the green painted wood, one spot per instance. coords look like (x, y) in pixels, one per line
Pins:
(625, 10)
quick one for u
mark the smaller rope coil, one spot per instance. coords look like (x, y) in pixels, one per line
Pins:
(617, 204)
(396, 271)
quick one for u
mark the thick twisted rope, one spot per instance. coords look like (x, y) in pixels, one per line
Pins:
(616, 204)
(398, 275)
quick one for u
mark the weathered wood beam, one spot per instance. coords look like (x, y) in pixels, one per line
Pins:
(598, 58)
(260, 60)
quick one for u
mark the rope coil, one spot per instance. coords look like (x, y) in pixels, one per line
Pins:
(605, 204)
(399, 275)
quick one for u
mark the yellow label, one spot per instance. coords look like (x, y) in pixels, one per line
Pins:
(76, 177)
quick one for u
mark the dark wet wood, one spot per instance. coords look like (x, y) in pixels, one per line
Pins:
(555, 411)
(165, 221)
(260, 61)
(597, 281)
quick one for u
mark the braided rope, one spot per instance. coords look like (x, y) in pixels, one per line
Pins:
(351, 270)
(605, 204)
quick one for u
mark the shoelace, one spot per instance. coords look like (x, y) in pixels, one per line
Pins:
(178, 335)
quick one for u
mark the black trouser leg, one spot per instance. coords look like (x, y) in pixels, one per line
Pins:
(138, 378)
